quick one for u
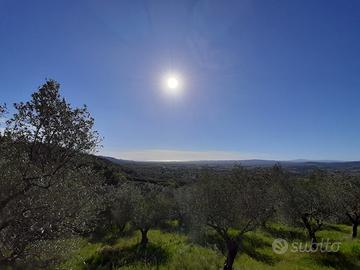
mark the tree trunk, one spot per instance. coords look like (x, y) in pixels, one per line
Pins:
(355, 219)
(311, 233)
(314, 242)
(232, 248)
(122, 227)
(6, 263)
(144, 238)
(354, 229)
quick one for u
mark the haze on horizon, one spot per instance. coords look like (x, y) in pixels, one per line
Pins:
(244, 79)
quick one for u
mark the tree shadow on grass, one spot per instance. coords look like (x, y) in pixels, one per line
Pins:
(285, 233)
(338, 261)
(110, 236)
(112, 258)
(332, 227)
(249, 246)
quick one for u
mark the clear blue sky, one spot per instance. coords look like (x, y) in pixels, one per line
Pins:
(261, 79)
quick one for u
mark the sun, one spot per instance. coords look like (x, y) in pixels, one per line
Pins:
(172, 84)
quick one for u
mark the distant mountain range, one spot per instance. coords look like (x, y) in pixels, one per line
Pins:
(296, 165)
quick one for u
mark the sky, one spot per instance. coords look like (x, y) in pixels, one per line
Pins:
(259, 79)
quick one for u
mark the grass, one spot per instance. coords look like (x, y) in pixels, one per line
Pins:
(174, 251)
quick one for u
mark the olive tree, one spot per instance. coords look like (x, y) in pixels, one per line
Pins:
(121, 206)
(46, 186)
(144, 205)
(2, 113)
(348, 199)
(308, 201)
(240, 201)
(2, 110)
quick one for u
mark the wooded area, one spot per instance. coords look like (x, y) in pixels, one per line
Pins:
(53, 187)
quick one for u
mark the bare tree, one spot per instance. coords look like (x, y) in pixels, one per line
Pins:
(239, 201)
(41, 167)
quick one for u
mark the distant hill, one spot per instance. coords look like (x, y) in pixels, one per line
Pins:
(292, 165)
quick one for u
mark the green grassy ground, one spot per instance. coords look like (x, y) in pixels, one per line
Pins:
(174, 251)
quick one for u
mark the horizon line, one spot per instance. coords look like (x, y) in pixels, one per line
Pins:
(166, 155)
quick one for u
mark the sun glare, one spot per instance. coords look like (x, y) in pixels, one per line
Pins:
(172, 84)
